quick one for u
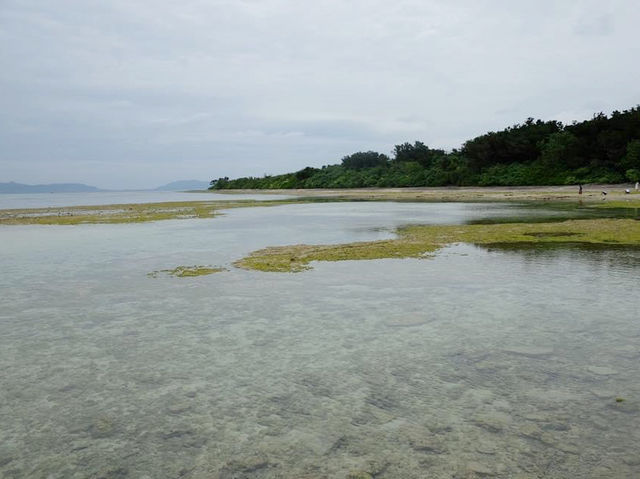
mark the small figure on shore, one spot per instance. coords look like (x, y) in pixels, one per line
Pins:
(604, 195)
(637, 185)
(579, 189)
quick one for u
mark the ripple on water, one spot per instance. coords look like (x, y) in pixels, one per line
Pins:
(477, 363)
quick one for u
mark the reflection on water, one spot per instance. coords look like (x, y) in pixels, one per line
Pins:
(615, 258)
(534, 212)
(479, 362)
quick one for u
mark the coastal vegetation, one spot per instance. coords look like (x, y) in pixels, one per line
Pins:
(604, 149)
(422, 241)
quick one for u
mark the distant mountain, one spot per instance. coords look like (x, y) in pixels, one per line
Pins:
(12, 187)
(184, 185)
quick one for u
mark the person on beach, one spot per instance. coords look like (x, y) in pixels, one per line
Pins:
(579, 189)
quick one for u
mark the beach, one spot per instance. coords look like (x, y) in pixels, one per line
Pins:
(591, 193)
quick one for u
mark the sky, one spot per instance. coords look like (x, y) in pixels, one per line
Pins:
(135, 94)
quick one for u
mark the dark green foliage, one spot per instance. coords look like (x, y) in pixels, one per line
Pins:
(516, 144)
(560, 150)
(219, 184)
(418, 153)
(364, 159)
(603, 140)
(633, 174)
(305, 173)
(632, 157)
(601, 150)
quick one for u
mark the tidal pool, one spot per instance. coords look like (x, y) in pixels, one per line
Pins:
(478, 362)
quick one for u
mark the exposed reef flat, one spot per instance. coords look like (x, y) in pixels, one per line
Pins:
(126, 213)
(139, 213)
(187, 271)
(421, 241)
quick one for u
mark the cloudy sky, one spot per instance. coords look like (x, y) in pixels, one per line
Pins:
(136, 93)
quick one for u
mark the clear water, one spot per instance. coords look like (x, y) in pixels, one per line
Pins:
(55, 200)
(475, 363)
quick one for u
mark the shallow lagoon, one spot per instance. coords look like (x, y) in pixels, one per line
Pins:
(474, 363)
(55, 200)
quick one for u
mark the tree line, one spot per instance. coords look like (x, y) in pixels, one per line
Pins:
(604, 149)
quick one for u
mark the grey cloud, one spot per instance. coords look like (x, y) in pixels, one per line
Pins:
(596, 26)
(147, 92)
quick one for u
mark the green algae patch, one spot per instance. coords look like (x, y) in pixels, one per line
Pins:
(128, 213)
(632, 203)
(187, 271)
(296, 258)
(551, 234)
(423, 241)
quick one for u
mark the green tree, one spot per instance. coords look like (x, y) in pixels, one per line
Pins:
(603, 149)
(418, 152)
(560, 150)
(633, 174)
(219, 184)
(632, 159)
(364, 159)
(305, 173)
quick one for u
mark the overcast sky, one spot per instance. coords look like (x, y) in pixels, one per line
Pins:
(133, 94)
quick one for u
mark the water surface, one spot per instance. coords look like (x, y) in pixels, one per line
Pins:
(54, 200)
(478, 362)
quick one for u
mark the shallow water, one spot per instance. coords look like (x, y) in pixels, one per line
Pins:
(478, 362)
(54, 200)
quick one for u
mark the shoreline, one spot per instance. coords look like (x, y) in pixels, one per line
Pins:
(592, 197)
(591, 193)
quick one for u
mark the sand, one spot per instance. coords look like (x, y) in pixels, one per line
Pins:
(591, 193)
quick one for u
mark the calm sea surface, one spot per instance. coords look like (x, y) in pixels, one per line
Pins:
(478, 362)
(45, 200)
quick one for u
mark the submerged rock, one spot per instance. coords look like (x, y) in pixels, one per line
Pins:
(488, 448)
(480, 469)
(5, 459)
(626, 406)
(568, 448)
(102, 427)
(630, 460)
(556, 426)
(529, 351)
(427, 445)
(602, 370)
(178, 408)
(249, 467)
(407, 321)
(603, 393)
(492, 422)
(530, 431)
(113, 473)
(359, 475)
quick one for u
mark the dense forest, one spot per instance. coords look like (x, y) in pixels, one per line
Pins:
(604, 149)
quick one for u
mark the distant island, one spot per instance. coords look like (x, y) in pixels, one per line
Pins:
(13, 187)
(604, 149)
(184, 185)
